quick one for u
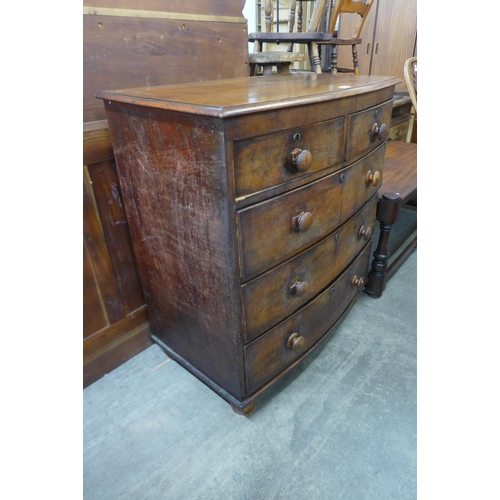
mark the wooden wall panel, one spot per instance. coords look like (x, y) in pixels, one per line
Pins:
(127, 52)
(116, 232)
(99, 253)
(166, 41)
(96, 318)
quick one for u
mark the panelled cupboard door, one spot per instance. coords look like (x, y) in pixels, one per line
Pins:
(395, 37)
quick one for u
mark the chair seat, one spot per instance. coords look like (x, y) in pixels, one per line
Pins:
(276, 57)
(289, 37)
(341, 41)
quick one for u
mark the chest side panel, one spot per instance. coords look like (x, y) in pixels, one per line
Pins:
(173, 174)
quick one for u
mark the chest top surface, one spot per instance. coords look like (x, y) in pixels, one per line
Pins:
(225, 98)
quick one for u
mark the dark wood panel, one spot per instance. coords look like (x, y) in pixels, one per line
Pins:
(99, 253)
(113, 335)
(118, 343)
(109, 201)
(97, 145)
(94, 315)
(125, 52)
(179, 213)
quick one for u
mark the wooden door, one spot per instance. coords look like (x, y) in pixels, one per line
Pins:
(395, 37)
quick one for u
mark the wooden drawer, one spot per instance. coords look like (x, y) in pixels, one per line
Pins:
(266, 161)
(280, 292)
(399, 129)
(279, 228)
(269, 355)
(362, 135)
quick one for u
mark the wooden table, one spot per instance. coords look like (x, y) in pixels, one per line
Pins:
(399, 186)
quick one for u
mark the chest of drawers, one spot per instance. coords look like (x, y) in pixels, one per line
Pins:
(251, 204)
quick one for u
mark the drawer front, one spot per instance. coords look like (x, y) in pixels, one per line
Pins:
(274, 351)
(275, 295)
(279, 228)
(272, 159)
(398, 131)
(368, 129)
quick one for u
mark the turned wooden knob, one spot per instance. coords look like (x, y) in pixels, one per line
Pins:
(299, 288)
(302, 222)
(295, 342)
(365, 232)
(300, 160)
(358, 282)
(379, 132)
(372, 177)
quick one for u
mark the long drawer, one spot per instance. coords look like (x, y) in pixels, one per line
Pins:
(279, 228)
(284, 289)
(275, 158)
(274, 351)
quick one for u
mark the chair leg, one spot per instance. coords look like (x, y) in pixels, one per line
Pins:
(387, 214)
(355, 60)
(283, 68)
(267, 70)
(334, 59)
(314, 57)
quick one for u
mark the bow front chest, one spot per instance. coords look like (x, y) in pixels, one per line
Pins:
(251, 203)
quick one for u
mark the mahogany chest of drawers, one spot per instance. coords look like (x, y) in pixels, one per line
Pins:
(251, 204)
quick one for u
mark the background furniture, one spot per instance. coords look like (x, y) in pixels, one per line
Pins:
(389, 39)
(358, 8)
(251, 204)
(410, 74)
(399, 186)
(309, 37)
(281, 59)
(133, 47)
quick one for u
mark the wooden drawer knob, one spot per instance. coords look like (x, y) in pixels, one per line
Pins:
(299, 288)
(372, 177)
(295, 342)
(302, 222)
(365, 233)
(379, 132)
(358, 282)
(300, 160)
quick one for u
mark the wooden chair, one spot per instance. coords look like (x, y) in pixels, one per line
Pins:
(410, 72)
(283, 59)
(339, 7)
(410, 75)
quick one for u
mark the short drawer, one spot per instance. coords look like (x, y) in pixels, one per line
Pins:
(368, 129)
(398, 130)
(278, 293)
(274, 351)
(269, 160)
(279, 228)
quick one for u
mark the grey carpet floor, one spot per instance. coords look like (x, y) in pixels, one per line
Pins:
(341, 425)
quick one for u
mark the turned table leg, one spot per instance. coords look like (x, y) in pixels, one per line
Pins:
(387, 214)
